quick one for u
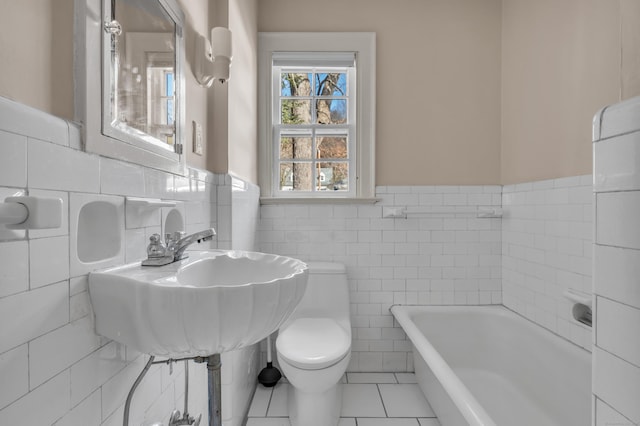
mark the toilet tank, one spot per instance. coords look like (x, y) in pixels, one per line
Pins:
(327, 293)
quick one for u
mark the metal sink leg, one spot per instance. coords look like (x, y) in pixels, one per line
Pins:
(215, 391)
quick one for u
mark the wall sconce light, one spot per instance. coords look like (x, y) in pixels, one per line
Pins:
(213, 59)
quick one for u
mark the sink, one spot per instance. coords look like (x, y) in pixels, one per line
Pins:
(211, 302)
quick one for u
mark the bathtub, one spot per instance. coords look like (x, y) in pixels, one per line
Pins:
(486, 366)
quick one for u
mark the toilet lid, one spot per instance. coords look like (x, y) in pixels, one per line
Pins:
(313, 343)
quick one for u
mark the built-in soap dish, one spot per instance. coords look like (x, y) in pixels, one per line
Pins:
(173, 219)
(581, 309)
(97, 232)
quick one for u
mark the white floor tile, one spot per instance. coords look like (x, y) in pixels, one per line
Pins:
(406, 400)
(404, 403)
(371, 378)
(269, 421)
(429, 422)
(278, 405)
(406, 378)
(388, 422)
(361, 400)
(260, 402)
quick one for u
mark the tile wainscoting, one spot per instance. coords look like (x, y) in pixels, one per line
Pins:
(444, 256)
(54, 368)
(547, 244)
(52, 359)
(616, 353)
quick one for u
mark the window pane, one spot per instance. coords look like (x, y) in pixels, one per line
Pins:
(295, 148)
(295, 176)
(169, 84)
(331, 84)
(170, 109)
(333, 176)
(295, 111)
(295, 84)
(332, 147)
(331, 111)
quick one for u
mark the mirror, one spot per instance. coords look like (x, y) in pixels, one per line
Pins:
(141, 96)
(141, 53)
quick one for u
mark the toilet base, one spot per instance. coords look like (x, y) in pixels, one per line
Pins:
(315, 409)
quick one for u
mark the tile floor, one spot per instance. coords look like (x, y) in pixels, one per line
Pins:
(369, 399)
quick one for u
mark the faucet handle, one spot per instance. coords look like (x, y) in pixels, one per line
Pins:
(156, 247)
(172, 238)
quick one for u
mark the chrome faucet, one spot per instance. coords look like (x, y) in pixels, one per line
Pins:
(161, 253)
(181, 245)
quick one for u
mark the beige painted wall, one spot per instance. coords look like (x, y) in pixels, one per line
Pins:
(243, 90)
(438, 81)
(630, 34)
(36, 53)
(218, 100)
(561, 62)
(234, 104)
(469, 91)
(540, 81)
(196, 16)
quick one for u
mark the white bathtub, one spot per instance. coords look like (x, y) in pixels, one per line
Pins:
(485, 366)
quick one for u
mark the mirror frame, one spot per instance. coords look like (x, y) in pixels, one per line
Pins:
(90, 16)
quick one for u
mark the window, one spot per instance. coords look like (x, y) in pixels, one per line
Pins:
(317, 93)
(313, 122)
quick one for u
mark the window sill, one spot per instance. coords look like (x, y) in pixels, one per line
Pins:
(317, 200)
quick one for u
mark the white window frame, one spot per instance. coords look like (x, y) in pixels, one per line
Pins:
(363, 45)
(317, 64)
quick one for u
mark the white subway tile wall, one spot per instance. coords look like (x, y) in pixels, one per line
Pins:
(440, 254)
(54, 368)
(446, 255)
(546, 249)
(443, 255)
(616, 373)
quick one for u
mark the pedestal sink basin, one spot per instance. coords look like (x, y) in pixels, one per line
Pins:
(212, 302)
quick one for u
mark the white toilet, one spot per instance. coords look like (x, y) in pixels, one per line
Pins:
(314, 347)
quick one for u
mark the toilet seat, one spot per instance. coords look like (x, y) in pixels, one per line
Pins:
(313, 343)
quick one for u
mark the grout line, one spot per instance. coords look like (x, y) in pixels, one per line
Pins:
(382, 400)
(266, 414)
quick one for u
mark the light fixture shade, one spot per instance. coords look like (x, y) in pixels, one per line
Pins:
(221, 68)
(221, 42)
